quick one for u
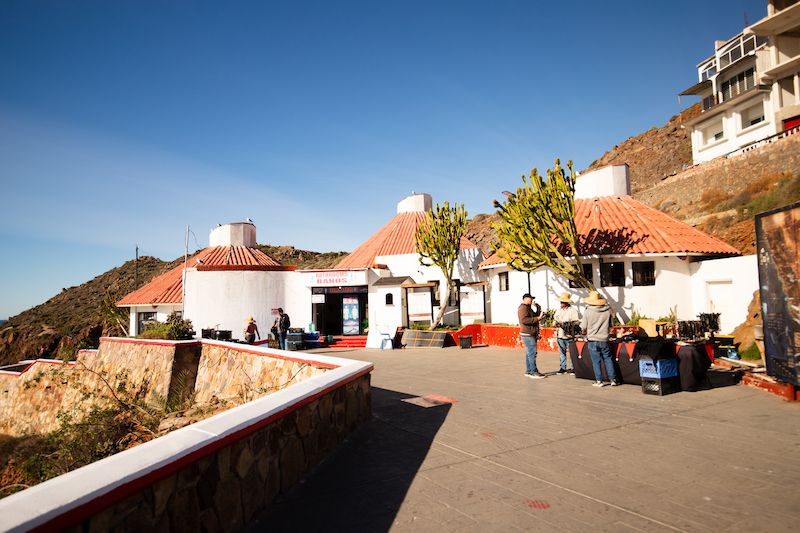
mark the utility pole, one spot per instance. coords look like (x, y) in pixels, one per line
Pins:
(136, 270)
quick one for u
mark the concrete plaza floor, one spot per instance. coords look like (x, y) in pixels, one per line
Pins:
(555, 454)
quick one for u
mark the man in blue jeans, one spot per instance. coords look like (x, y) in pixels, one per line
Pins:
(596, 323)
(564, 318)
(529, 333)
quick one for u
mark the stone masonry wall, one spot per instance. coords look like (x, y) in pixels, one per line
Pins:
(230, 374)
(679, 194)
(225, 490)
(30, 400)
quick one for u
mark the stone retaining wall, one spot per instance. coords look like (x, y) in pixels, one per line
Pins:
(225, 490)
(214, 475)
(31, 398)
(681, 192)
(231, 373)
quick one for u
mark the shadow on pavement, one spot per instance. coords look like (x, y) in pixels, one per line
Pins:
(362, 484)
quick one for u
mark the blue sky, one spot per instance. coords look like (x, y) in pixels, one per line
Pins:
(123, 122)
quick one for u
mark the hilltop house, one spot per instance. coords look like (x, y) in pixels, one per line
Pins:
(220, 287)
(637, 257)
(750, 87)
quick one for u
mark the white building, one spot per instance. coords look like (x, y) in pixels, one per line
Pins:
(383, 286)
(225, 284)
(638, 258)
(750, 87)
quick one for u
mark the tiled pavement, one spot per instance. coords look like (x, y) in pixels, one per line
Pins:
(555, 454)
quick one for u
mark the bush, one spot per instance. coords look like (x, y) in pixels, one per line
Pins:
(751, 353)
(173, 329)
(635, 318)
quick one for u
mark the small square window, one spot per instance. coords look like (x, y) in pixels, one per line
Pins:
(644, 273)
(503, 278)
(612, 274)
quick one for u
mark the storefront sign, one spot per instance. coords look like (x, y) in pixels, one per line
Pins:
(778, 244)
(339, 277)
(317, 298)
(350, 315)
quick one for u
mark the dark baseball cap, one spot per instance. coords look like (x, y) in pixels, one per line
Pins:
(528, 295)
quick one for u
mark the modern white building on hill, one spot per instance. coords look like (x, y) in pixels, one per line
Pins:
(750, 87)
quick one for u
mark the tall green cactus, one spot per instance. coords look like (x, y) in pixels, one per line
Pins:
(537, 220)
(438, 242)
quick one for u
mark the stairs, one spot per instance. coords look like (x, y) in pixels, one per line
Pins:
(349, 341)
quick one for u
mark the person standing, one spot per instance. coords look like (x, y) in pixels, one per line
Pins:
(529, 333)
(250, 331)
(282, 325)
(595, 324)
(561, 317)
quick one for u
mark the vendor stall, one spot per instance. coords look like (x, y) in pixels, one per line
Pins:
(693, 362)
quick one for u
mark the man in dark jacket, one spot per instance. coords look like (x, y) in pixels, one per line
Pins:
(529, 333)
(596, 322)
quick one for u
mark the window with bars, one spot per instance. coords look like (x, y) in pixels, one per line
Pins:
(738, 84)
(644, 273)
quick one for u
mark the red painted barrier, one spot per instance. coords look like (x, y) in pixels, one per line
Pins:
(508, 336)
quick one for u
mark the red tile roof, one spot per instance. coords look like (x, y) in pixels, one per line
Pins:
(617, 225)
(168, 288)
(395, 238)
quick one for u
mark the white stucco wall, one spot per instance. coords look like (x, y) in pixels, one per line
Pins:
(234, 234)
(725, 286)
(611, 180)
(228, 298)
(384, 318)
(392, 317)
(673, 288)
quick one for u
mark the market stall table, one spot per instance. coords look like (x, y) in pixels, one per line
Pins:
(693, 361)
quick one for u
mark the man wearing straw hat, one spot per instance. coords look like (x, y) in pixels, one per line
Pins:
(562, 318)
(250, 331)
(529, 333)
(595, 324)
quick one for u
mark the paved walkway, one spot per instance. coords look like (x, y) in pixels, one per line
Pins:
(555, 454)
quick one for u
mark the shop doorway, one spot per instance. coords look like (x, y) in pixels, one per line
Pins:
(342, 312)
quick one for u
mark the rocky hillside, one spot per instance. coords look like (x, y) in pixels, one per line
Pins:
(653, 155)
(72, 319)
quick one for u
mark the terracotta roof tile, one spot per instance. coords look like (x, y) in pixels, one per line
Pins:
(614, 225)
(168, 288)
(395, 238)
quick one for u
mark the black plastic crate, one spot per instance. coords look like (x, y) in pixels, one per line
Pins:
(661, 386)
